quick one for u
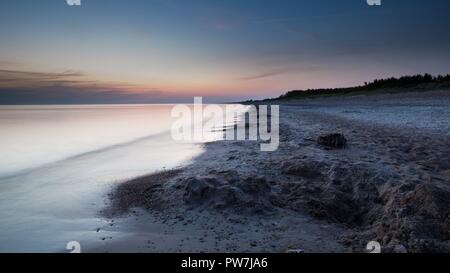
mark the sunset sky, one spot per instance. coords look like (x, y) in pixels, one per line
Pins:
(155, 51)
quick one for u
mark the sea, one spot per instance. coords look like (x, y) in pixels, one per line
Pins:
(59, 162)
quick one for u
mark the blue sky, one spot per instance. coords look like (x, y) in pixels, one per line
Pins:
(171, 50)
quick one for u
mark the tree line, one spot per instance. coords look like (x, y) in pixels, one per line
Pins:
(415, 82)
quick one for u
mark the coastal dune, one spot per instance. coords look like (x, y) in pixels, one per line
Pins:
(390, 184)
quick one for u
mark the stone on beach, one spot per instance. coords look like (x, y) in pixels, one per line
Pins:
(335, 141)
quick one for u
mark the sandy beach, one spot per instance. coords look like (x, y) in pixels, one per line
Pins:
(390, 184)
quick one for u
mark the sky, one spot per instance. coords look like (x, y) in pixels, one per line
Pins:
(163, 51)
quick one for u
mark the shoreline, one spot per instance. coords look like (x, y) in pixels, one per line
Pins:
(391, 184)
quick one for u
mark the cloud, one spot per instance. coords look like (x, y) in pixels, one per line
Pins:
(7, 63)
(276, 72)
(263, 75)
(71, 87)
(16, 78)
(67, 95)
(30, 87)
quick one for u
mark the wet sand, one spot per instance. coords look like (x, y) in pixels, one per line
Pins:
(391, 184)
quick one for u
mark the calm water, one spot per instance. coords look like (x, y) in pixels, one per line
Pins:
(58, 162)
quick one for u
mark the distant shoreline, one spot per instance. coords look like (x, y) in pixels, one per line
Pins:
(405, 84)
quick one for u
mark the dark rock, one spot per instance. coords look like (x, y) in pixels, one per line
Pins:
(334, 141)
(303, 169)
